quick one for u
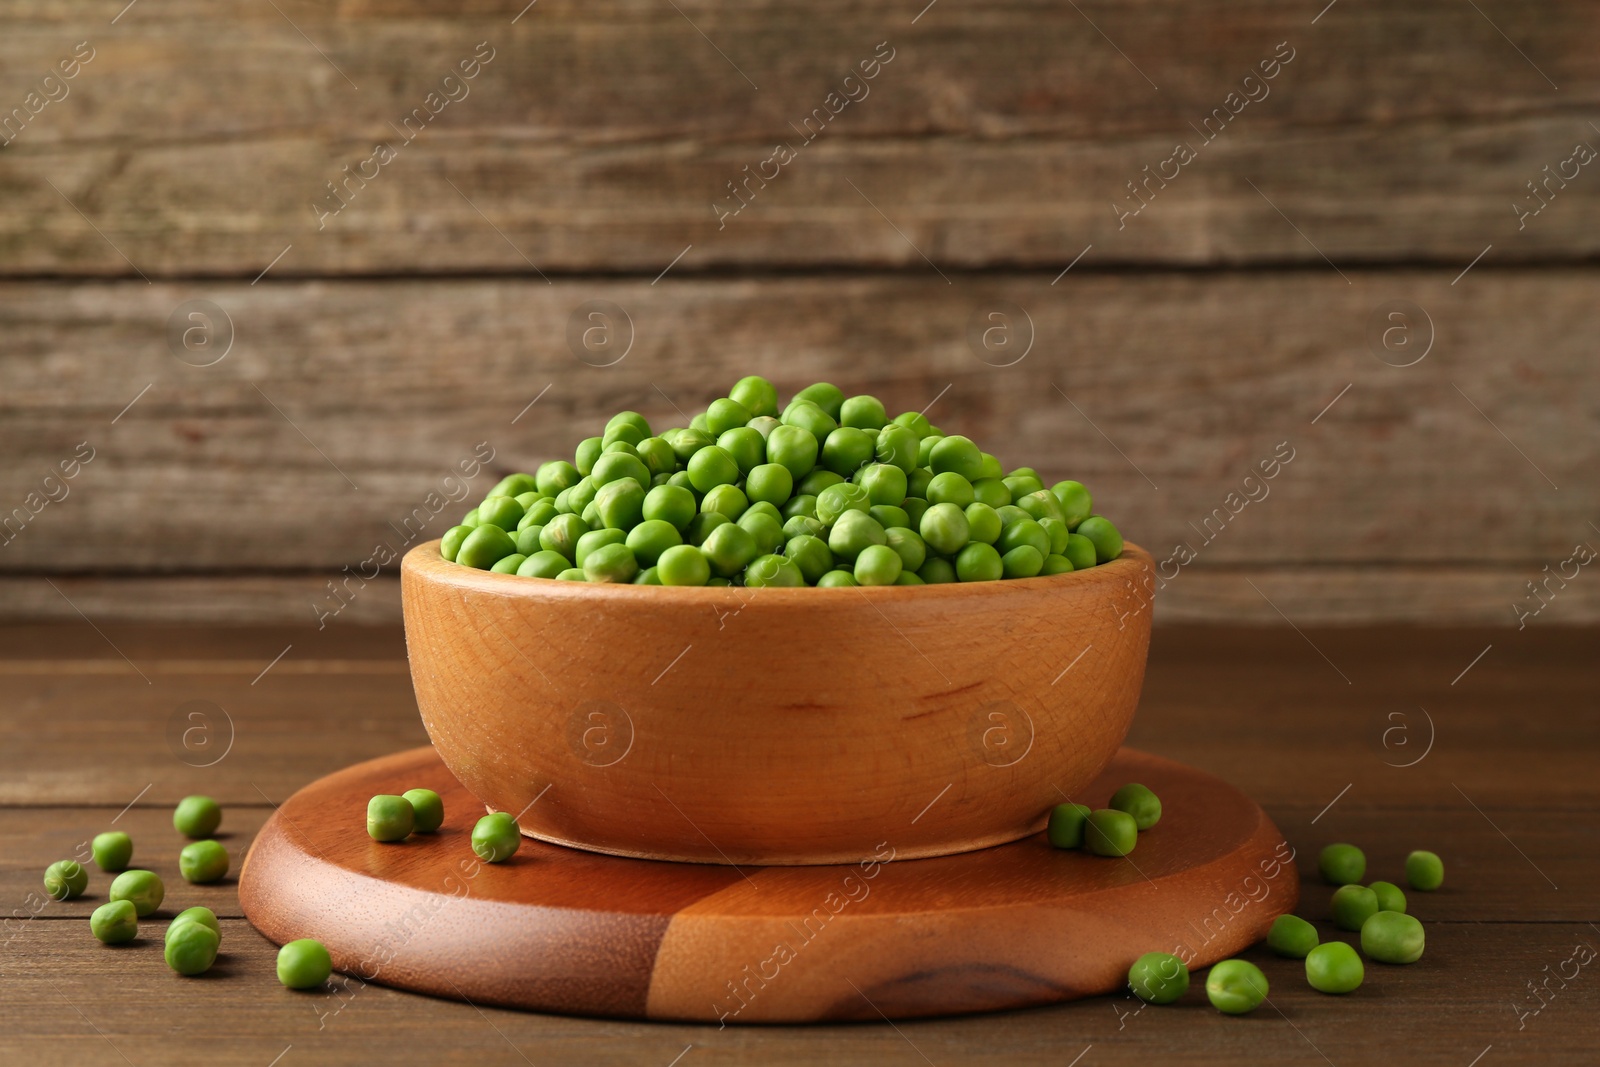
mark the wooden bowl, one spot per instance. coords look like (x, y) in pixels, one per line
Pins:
(776, 726)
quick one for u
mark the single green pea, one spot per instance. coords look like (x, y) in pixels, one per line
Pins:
(203, 862)
(657, 456)
(890, 515)
(620, 504)
(771, 482)
(618, 466)
(828, 397)
(853, 532)
(1076, 504)
(1334, 967)
(191, 948)
(485, 546)
(1107, 541)
(983, 523)
(611, 563)
(1392, 937)
(759, 396)
(651, 538)
(801, 505)
(115, 923)
(936, 571)
(1057, 532)
(729, 549)
(767, 530)
(1137, 800)
(803, 526)
(1341, 864)
(763, 425)
(1024, 532)
(143, 889)
(1353, 905)
(847, 449)
(390, 818)
(865, 412)
(979, 562)
(878, 565)
(1390, 898)
(949, 488)
(1108, 832)
(1065, 828)
(683, 565)
(595, 540)
(427, 810)
(711, 467)
(897, 446)
(1020, 485)
(65, 880)
(203, 916)
(909, 578)
(1424, 871)
(701, 525)
(773, 571)
(1236, 987)
(496, 837)
(839, 498)
(917, 482)
(555, 476)
(747, 447)
(957, 455)
(112, 850)
(990, 468)
(513, 485)
(648, 576)
(794, 448)
(1024, 561)
(1057, 565)
(198, 816)
(991, 491)
(670, 503)
(304, 964)
(543, 564)
(725, 414)
(1292, 937)
(915, 421)
(470, 519)
(1040, 505)
(591, 516)
(808, 417)
(945, 529)
(501, 511)
(572, 574)
(526, 540)
(915, 508)
(687, 443)
(884, 483)
(561, 535)
(908, 544)
(640, 424)
(925, 448)
(1158, 978)
(580, 496)
(811, 554)
(450, 543)
(509, 564)
(837, 580)
(1080, 550)
(726, 500)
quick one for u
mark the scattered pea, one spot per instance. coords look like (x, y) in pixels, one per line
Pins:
(1342, 864)
(1334, 967)
(496, 837)
(115, 923)
(112, 850)
(191, 947)
(1065, 829)
(1158, 978)
(427, 810)
(65, 880)
(1353, 905)
(143, 889)
(390, 818)
(1236, 987)
(304, 964)
(204, 916)
(1392, 937)
(1390, 898)
(1424, 871)
(202, 862)
(1137, 800)
(1109, 832)
(197, 816)
(1292, 937)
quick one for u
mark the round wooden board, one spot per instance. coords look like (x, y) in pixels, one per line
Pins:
(560, 930)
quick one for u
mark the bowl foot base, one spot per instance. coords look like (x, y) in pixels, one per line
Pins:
(561, 930)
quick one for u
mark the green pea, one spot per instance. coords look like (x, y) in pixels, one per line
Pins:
(759, 396)
(390, 818)
(1424, 871)
(618, 466)
(657, 456)
(983, 523)
(485, 546)
(203, 862)
(979, 562)
(767, 530)
(651, 538)
(198, 816)
(669, 503)
(538, 513)
(811, 554)
(1107, 541)
(470, 519)
(801, 526)
(1024, 561)
(1076, 504)
(701, 525)
(837, 499)
(1392, 937)
(794, 448)
(773, 571)
(65, 880)
(991, 491)
(611, 563)
(853, 532)
(1353, 905)
(897, 446)
(427, 810)
(957, 455)
(688, 442)
(496, 837)
(990, 467)
(802, 505)
(907, 543)
(949, 488)
(648, 576)
(1292, 937)
(143, 889)
(945, 529)
(580, 496)
(1108, 832)
(1065, 828)
(555, 476)
(884, 483)
(1342, 864)
(562, 534)
(915, 421)
(1041, 505)
(509, 564)
(914, 507)
(501, 511)
(1158, 978)
(112, 850)
(770, 482)
(1080, 551)
(620, 504)
(726, 414)
(572, 574)
(837, 580)
(711, 467)
(543, 564)
(726, 500)
(526, 540)
(917, 482)
(763, 425)
(191, 948)
(1058, 533)
(1057, 565)
(1236, 987)
(1137, 800)
(640, 425)
(865, 412)
(1020, 485)
(878, 565)
(909, 578)
(683, 565)
(747, 447)
(925, 448)
(1390, 898)
(115, 923)
(304, 964)
(595, 540)
(729, 549)
(203, 916)
(450, 543)
(1334, 967)
(829, 398)
(809, 417)
(889, 515)
(936, 571)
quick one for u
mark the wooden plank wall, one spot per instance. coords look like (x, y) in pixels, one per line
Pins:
(1344, 261)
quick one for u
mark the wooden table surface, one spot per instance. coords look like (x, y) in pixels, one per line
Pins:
(1498, 727)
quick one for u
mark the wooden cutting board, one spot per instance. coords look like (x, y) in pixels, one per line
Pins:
(560, 930)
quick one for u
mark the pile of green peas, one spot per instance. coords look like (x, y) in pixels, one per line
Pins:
(1110, 831)
(828, 491)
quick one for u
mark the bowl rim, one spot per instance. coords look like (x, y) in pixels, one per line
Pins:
(425, 563)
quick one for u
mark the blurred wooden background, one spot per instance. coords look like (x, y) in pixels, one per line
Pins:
(1443, 459)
